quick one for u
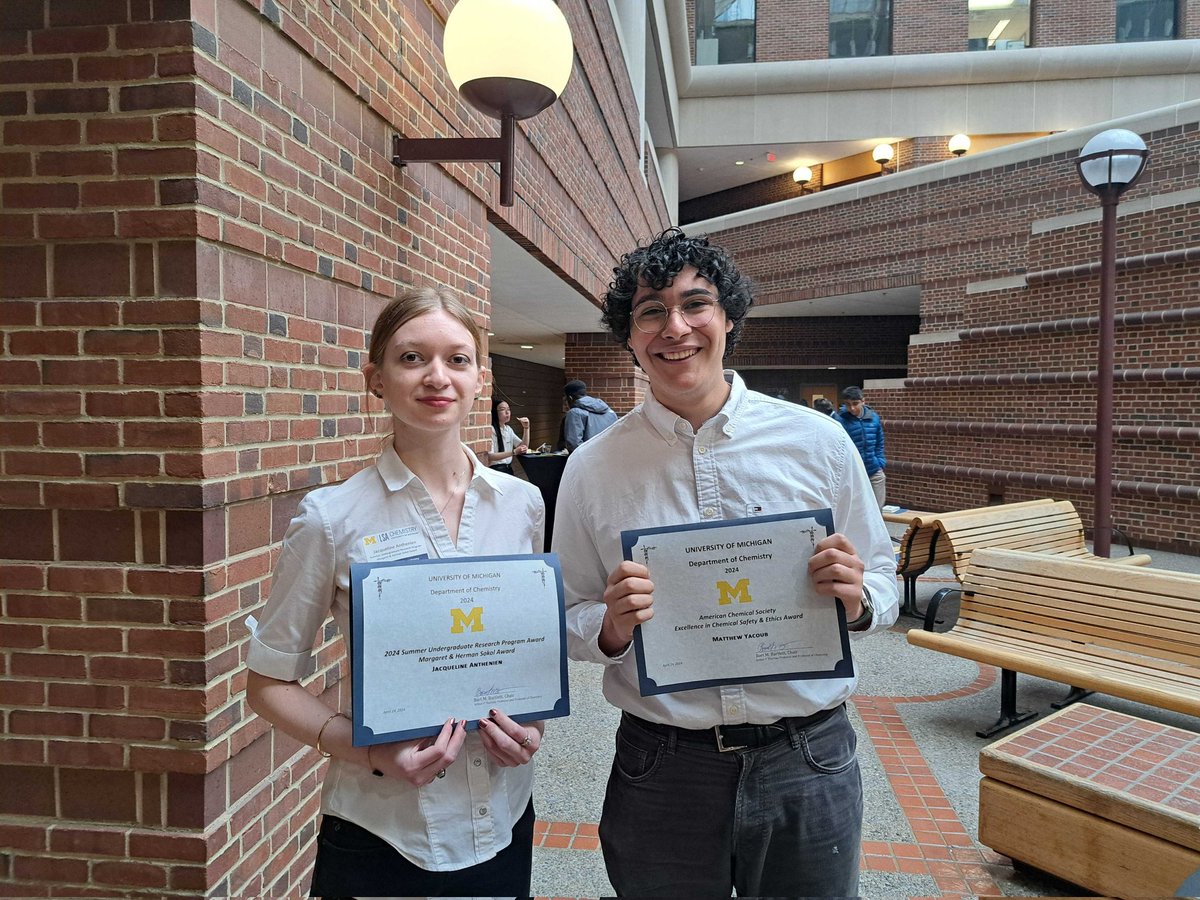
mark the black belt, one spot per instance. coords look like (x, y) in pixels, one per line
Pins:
(726, 738)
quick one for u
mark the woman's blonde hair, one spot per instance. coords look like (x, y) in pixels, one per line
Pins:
(411, 304)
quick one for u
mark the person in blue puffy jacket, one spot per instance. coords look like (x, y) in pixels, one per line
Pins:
(866, 429)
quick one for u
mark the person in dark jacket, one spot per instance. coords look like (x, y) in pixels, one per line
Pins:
(864, 426)
(586, 417)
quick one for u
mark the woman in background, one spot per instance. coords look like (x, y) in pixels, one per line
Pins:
(450, 815)
(505, 444)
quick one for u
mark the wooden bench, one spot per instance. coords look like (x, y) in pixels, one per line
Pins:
(1105, 800)
(1038, 526)
(1129, 632)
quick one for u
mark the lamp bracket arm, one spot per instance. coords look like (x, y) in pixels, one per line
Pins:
(409, 150)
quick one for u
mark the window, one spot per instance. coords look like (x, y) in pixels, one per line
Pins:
(1147, 20)
(997, 24)
(724, 31)
(860, 28)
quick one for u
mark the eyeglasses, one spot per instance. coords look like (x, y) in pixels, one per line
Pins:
(652, 317)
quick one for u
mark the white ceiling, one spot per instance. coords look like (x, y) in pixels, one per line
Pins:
(532, 305)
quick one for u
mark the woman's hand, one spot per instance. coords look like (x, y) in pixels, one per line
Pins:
(419, 762)
(629, 597)
(509, 743)
(524, 422)
(520, 449)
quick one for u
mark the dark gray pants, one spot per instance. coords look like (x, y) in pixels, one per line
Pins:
(782, 820)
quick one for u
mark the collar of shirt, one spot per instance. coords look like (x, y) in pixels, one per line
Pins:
(396, 475)
(671, 425)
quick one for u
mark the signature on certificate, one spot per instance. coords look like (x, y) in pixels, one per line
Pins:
(778, 646)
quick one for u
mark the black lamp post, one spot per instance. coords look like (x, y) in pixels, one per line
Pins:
(1109, 164)
(510, 59)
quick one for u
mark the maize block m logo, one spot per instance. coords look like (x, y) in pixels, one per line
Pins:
(461, 621)
(728, 592)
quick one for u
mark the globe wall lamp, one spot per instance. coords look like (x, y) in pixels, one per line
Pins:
(802, 176)
(959, 144)
(510, 59)
(883, 154)
(1108, 164)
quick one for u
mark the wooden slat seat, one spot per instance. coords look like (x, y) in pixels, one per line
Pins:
(1132, 633)
(1036, 526)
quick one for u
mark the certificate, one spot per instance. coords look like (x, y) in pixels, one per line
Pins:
(734, 603)
(432, 639)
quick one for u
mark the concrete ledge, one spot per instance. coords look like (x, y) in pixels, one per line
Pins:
(1008, 283)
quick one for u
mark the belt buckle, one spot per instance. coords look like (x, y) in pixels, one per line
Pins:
(721, 748)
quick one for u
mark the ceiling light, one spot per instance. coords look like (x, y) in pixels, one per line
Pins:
(740, 162)
(883, 154)
(527, 346)
(959, 144)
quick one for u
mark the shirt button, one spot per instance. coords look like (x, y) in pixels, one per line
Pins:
(702, 450)
(477, 761)
(732, 710)
(709, 512)
(483, 810)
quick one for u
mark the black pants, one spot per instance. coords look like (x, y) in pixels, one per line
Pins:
(352, 862)
(503, 467)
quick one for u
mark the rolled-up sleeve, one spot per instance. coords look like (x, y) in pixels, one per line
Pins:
(302, 594)
(857, 516)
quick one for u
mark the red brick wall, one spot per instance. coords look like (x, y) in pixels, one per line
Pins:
(817, 342)
(607, 369)
(199, 221)
(947, 235)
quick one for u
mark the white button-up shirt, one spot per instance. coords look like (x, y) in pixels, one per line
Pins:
(466, 817)
(757, 456)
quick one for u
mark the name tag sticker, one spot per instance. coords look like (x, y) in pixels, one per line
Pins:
(399, 543)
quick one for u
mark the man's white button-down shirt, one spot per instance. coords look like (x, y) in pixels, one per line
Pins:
(757, 456)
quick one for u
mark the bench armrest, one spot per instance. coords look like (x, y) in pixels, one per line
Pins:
(936, 601)
(1124, 537)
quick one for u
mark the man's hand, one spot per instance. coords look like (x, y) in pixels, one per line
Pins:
(836, 571)
(628, 598)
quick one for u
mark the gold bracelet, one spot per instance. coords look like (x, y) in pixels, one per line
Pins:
(325, 753)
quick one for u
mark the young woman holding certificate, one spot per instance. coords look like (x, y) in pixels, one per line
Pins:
(453, 814)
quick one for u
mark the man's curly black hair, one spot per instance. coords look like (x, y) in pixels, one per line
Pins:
(658, 263)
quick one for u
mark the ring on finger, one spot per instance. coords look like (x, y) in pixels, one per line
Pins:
(528, 740)
(441, 773)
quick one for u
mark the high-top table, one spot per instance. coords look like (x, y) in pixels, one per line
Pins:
(544, 471)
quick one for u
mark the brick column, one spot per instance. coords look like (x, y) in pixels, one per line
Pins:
(607, 369)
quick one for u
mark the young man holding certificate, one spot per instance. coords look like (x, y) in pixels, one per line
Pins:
(450, 814)
(746, 778)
